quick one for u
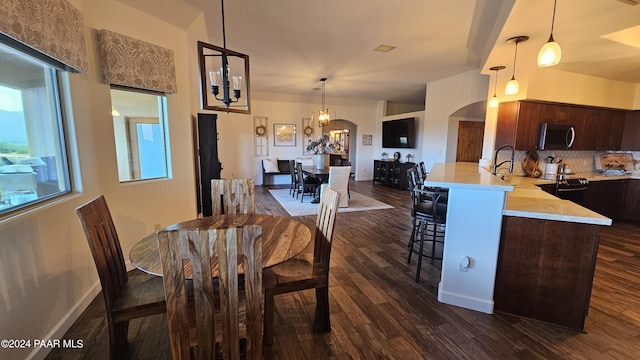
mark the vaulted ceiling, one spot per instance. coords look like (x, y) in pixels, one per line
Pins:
(294, 43)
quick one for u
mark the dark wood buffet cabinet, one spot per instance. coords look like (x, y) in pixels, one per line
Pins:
(596, 128)
(391, 173)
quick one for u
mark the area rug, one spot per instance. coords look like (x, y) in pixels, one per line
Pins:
(294, 207)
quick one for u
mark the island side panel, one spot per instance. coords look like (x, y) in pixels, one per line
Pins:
(545, 270)
(474, 218)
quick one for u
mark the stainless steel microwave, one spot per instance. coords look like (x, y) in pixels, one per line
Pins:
(556, 136)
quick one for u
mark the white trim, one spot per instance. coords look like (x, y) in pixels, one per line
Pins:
(61, 328)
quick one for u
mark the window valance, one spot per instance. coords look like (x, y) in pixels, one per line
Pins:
(134, 63)
(53, 27)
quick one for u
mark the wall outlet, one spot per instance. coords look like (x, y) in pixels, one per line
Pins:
(464, 264)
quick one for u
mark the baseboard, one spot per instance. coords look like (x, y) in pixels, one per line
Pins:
(61, 328)
(467, 302)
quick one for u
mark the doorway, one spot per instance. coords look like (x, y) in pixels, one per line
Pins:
(470, 136)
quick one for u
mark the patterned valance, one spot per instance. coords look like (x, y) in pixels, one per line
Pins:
(134, 63)
(53, 27)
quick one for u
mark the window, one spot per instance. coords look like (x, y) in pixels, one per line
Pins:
(139, 124)
(33, 157)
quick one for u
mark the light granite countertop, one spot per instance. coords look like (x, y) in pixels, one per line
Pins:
(528, 200)
(465, 175)
(524, 198)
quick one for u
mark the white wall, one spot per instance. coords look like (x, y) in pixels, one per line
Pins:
(236, 144)
(47, 274)
(445, 97)
(549, 84)
(419, 126)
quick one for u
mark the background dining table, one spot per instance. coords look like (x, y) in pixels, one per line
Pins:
(282, 239)
(321, 174)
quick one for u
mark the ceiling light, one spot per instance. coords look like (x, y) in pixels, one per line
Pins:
(550, 53)
(323, 115)
(225, 86)
(493, 103)
(384, 48)
(513, 86)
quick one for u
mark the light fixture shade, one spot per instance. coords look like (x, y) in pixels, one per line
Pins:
(512, 87)
(493, 103)
(549, 54)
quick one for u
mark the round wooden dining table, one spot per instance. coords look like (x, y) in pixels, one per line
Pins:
(282, 239)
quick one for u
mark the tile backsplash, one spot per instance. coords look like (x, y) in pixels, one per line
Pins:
(577, 161)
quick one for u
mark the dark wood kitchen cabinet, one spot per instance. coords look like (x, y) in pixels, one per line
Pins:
(631, 209)
(518, 124)
(603, 130)
(606, 197)
(545, 270)
(596, 128)
(631, 132)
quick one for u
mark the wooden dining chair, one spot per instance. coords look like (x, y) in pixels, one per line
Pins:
(232, 196)
(306, 271)
(306, 185)
(127, 295)
(294, 178)
(221, 314)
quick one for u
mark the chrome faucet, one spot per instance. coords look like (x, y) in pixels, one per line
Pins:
(495, 159)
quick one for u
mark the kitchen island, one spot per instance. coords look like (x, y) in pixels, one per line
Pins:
(531, 254)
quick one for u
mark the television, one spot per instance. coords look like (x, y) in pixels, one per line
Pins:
(399, 133)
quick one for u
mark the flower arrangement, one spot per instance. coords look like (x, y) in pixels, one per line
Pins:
(323, 145)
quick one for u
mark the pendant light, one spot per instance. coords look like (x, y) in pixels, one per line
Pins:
(323, 115)
(513, 86)
(493, 103)
(228, 91)
(550, 53)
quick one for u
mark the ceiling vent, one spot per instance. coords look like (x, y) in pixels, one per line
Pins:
(630, 2)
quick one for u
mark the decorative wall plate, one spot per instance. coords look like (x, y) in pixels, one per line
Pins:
(308, 130)
(261, 130)
(396, 155)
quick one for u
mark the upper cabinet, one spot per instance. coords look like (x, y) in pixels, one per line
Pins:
(518, 124)
(631, 133)
(595, 128)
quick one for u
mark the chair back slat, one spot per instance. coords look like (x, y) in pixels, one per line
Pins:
(232, 196)
(105, 247)
(325, 223)
(292, 171)
(211, 308)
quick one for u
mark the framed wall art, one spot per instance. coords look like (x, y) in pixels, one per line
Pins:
(284, 135)
(367, 139)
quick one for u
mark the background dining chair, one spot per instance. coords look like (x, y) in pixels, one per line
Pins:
(127, 295)
(348, 163)
(232, 196)
(306, 271)
(339, 181)
(219, 314)
(306, 185)
(294, 178)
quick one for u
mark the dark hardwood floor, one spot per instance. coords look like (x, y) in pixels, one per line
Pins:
(379, 311)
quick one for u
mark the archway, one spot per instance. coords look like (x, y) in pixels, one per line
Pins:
(347, 153)
(466, 133)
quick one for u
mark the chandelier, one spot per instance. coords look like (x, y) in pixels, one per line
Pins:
(323, 115)
(224, 87)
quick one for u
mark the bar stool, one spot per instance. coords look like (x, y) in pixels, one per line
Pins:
(428, 211)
